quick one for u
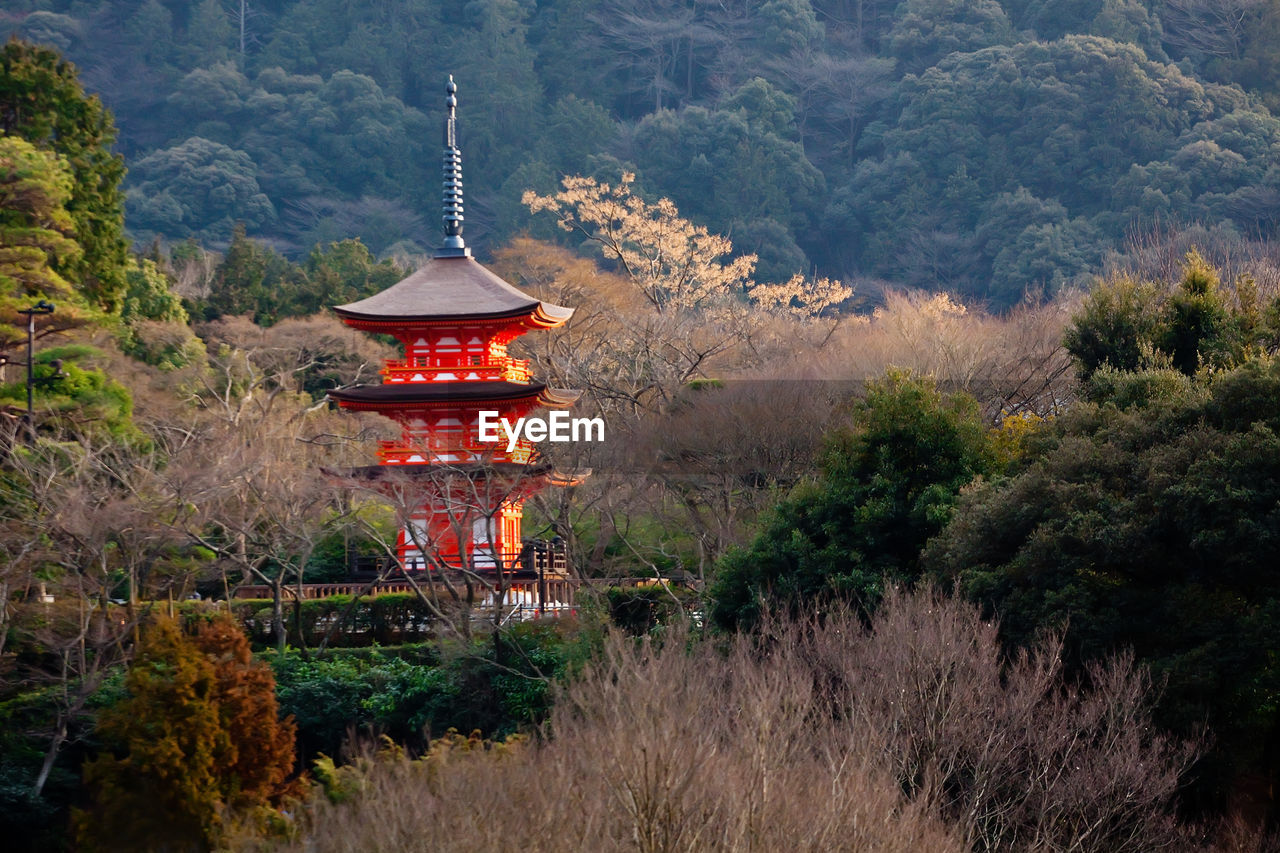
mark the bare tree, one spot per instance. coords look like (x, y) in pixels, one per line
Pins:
(837, 94)
(1209, 27)
(654, 34)
(908, 734)
(84, 525)
(1012, 363)
(1019, 755)
(244, 476)
(445, 545)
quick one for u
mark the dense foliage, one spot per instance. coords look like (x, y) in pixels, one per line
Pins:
(196, 734)
(425, 691)
(988, 147)
(1146, 519)
(1131, 325)
(43, 102)
(888, 482)
(36, 232)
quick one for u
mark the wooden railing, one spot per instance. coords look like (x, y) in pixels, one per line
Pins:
(502, 369)
(525, 598)
(537, 584)
(396, 452)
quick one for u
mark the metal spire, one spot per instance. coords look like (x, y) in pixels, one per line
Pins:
(453, 246)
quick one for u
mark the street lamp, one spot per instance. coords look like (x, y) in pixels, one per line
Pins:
(41, 307)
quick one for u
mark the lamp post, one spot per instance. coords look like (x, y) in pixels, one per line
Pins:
(41, 307)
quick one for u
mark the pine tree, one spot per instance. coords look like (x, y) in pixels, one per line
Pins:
(42, 101)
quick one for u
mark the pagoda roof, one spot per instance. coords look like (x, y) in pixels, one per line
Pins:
(453, 288)
(398, 393)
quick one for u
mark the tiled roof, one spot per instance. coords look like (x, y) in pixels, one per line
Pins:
(452, 288)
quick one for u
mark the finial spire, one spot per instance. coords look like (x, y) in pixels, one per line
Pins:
(453, 246)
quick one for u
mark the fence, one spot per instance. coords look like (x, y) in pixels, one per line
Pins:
(391, 613)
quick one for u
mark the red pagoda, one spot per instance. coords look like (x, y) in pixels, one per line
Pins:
(455, 319)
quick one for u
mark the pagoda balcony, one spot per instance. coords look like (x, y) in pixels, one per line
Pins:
(517, 370)
(416, 370)
(399, 453)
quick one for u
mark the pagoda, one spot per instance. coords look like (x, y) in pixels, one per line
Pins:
(455, 319)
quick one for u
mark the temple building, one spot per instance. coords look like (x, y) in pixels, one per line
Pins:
(461, 498)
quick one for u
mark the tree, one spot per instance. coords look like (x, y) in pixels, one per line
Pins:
(1083, 122)
(927, 30)
(1214, 29)
(675, 283)
(74, 397)
(342, 272)
(196, 735)
(740, 163)
(84, 523)
(209, 35)
(256, 769)
(673, 263)
(837, 96)
(1147, 520)
(197, 188)
(888, 483)
(36, 238)
(1114, 326)
(149, 32)
(155, 324)
(253, 279)
(501, 96)
(42, 101)
(1131, 325)
(163, 782)
(1196, 317)
(653, 36)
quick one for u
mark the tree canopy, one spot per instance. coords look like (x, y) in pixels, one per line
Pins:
(888, 483)
(36, 233)
(196, 734)
(43, 102)
(994, 148)
(1145, 520)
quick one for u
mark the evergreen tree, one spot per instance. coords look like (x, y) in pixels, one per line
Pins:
(888, 483)
(255, 769)
(253, 279)
(198, 734)
(35, 236)
(1196, 316)
(209, 35)
(42, 101)
(161, 782)
(342, 272)
(1147, 519)
(1129, 325)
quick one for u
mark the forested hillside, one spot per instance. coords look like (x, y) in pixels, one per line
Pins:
(982, 147)
(938, 348)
